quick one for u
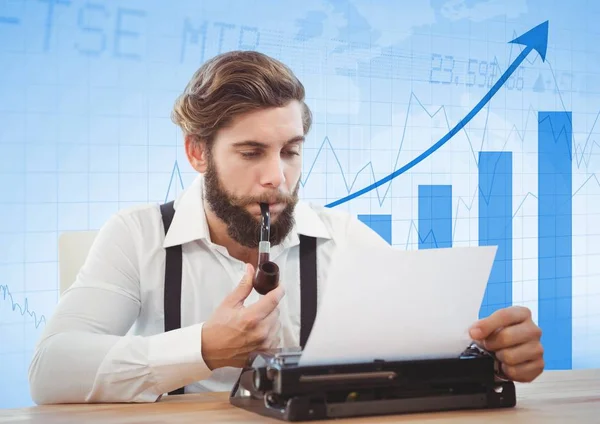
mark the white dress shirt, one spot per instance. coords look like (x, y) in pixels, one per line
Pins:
(105, 341)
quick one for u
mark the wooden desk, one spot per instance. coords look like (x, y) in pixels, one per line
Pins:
(555, 397)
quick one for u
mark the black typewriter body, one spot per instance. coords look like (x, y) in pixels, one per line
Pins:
(274, 385)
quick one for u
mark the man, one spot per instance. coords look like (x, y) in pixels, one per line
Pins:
(244, 120)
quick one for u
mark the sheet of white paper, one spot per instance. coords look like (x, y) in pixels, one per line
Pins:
(393, 304)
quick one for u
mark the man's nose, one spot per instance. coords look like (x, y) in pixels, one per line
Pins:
(272, 174)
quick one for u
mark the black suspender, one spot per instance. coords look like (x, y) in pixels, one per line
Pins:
(173, 271)
(308, 286)
(173, 265)
(172, 302)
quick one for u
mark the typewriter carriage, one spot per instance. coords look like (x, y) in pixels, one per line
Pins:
(274, 385)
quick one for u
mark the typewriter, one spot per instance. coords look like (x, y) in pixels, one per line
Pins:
(273, 384)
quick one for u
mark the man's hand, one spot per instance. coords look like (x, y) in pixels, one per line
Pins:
(233, 331)
(515, 339)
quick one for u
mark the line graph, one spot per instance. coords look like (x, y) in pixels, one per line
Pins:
(6, 296)
(175, 176)
(534, 39)
(582, 153)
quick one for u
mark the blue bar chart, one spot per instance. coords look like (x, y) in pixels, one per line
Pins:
(495, 226)
(555, 236)
(435, 216)
(381, 224)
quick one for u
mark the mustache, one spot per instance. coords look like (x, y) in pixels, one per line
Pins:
(288, 199)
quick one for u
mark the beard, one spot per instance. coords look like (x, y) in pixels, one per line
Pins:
(242, 226)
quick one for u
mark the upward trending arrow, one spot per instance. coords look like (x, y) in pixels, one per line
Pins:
(534, 39)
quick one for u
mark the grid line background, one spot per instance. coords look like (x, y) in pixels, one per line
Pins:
(86, 90)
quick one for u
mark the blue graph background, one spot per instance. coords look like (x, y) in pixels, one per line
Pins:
(86, 89)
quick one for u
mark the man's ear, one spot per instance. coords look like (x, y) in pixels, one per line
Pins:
(195, 150)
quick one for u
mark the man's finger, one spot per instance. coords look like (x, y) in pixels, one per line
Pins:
(267, 304)
(520, 354)
(499, 319)
(525, 372)
(243, 289)
(273, 317)
(513, 335)
(273, 320)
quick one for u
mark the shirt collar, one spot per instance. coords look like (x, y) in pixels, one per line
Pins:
(189, 222)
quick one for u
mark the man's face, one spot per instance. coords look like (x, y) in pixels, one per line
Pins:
(257, 159)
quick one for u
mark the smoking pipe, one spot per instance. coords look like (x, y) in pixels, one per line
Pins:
(266, 277)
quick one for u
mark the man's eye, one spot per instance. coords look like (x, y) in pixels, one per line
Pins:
(250, 154)
(291, 153)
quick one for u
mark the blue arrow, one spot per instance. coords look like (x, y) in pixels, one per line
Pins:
(534, 39)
